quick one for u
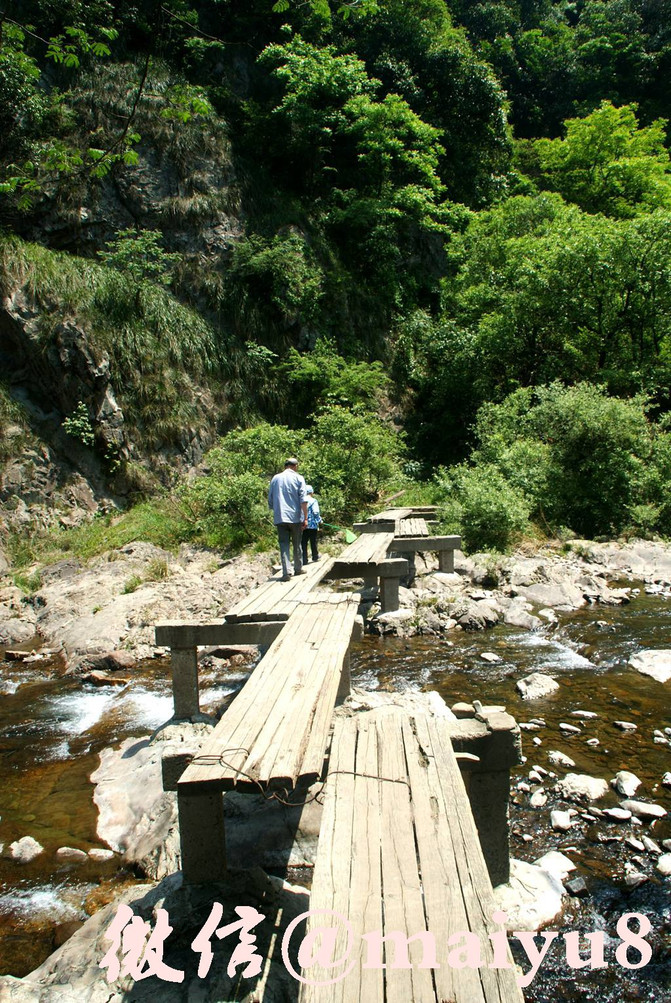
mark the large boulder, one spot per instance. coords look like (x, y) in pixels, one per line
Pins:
(653, 662)
(74, 972)
(561, 595)
(532, 897)
(536, 685)
(581, 787)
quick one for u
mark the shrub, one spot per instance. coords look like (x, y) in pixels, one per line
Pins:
(322, 377)
(348, 458)
(490, 513)
(581, 458)
(132, 584)
(230, 511)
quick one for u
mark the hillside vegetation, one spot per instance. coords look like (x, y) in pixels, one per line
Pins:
(426, 244)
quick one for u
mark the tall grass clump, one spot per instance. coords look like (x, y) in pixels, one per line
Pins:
(159, 350)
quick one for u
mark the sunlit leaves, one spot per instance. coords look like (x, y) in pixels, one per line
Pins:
(605, 163)
(69, 47)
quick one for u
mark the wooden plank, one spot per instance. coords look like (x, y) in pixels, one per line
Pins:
(365, 900)
(391, 515)
(445, 910)
(478, 897)
(332, 874)
(404, 856)
(368, 547)
(284, 735)
(322, 718)
(191, 635)
(413, 527)
(424, 543)
(243, 720)
(276, 599)
(253, 722)
(281, 717)
(402, 891)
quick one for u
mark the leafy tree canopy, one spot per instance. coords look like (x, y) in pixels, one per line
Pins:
(605, 163)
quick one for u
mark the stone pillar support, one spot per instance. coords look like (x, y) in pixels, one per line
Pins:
(202, 836)
(345, 686)
(184, 666)
(446, 561)
(391, 571)
(495, 740)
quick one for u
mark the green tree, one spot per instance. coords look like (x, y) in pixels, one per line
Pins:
(605, 163)
(140, 255)
(581, 457)
(550, 292)
(416, 51)
(349, 457)
(323, 378)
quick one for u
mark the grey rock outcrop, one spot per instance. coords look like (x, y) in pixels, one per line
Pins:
(536, 685)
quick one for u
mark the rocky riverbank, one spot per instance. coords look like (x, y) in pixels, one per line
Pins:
(137, 820)
(102, 615)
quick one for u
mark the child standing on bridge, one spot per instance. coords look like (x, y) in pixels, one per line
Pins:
(312, 528)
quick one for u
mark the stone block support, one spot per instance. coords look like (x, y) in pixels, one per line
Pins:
(488, 794)
(184, 667)
(391, 572)
(202, 836)
(495, 740)
(446, 561)
(345, 680)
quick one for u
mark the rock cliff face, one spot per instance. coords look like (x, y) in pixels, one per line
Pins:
(54, 477)
(49, 476)
(184, 185)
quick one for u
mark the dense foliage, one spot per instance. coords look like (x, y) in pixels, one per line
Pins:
(321, 221)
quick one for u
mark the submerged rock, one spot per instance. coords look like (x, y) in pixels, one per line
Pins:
(536, 685)
(559, 759)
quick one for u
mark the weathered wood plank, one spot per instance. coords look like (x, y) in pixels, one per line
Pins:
(285, 736)
(368, 547)
(391, 515)
(411, 827)
(332, 875)
(240, 725)
(413, 527)
(366, 894)
(275, 599)
(499, 983)
(423, 543)
(402, 889)
(445, 909)
(281, 718)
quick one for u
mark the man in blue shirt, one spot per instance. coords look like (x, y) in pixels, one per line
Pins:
(288, 499)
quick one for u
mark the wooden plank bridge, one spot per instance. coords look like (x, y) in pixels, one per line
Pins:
(399, 852)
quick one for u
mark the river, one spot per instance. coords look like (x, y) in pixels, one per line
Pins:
(53, 727)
